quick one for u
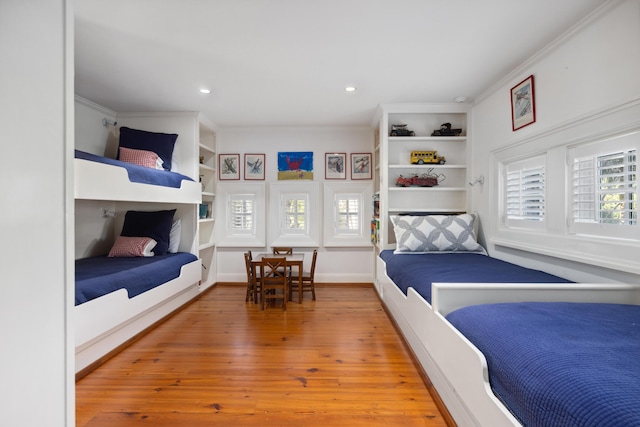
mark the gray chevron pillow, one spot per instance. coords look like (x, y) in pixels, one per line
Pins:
(435, 233)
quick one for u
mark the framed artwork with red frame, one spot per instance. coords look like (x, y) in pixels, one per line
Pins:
(335, 166)
(361, 166)
(254, 167)
(523, 106)
(229, 167)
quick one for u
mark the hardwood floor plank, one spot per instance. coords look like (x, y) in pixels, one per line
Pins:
(335, 361)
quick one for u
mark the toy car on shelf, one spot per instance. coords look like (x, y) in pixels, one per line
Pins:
(425, 180)
(426, 157)
(445, 130)
(401, 130)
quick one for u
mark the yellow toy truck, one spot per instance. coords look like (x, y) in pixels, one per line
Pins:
(426, 157)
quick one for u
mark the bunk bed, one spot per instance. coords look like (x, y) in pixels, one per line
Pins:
(103, 178)
(151, 269)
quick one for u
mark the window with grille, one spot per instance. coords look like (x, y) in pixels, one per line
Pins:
(604, 190)
(348, 209)
(295, 213)
(525, 188)
(242, 213)
(348, 213)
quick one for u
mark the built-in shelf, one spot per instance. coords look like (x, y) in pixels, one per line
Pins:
(393, 154)
(206, 246)
(436, 166)
(427, 189)
(427, 138)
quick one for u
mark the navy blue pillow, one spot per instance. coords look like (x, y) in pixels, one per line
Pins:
(160, 143)
(156, 224)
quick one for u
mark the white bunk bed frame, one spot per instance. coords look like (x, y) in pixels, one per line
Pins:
(99, 181)
(104, 324)
(456, 368)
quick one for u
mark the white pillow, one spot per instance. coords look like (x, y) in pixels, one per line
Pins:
(435, 233)
(174, 236)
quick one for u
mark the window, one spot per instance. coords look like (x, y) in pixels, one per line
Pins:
(348, 213)
(241, 215)
(604, 187)
(525, 192)
(348, 208)
(295, 213)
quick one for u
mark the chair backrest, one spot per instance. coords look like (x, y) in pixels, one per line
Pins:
(273, 269)
(313, 263)
(282, 250)
(247, 263)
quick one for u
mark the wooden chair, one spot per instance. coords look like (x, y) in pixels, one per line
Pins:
(308, 281)
(282, 250)
(273, 277)
(253, 279)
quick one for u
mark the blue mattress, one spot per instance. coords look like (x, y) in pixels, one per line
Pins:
(419, 271)
(560, 364)
(97, 276)
(138, 173)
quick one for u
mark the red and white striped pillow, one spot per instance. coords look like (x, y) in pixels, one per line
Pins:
(132, 247)
(145, 158)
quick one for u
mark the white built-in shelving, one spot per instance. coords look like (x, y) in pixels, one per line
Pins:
(393, 160)
(206, 220)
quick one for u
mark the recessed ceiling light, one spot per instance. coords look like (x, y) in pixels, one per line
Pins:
(350, 88)
(205, 91)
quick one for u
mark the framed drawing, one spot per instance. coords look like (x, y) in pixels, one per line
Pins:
(523, 107)
(361, 166)
(295, 165)
(254, 167)
(229, 167)
(335, 165)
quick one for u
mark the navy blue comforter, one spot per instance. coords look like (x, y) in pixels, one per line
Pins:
(560, 364)
(138, 173)
(420, 271)
(97, 276)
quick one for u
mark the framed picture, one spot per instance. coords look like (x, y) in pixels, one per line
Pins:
(295, 165)
(335, 165)
(229, 167)
(254, 167)
(361, 166)
(523, 106)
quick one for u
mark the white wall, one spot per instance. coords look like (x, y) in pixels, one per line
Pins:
(590, 73)
(36, 260)
(341, 265)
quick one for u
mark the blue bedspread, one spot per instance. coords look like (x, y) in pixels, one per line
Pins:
(560, 364)
(97, 276)
(419, 271)
(138, 173)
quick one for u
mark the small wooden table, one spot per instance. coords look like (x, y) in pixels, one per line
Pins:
(296, 260)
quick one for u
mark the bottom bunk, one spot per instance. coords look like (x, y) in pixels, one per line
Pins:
(540, 354)
(117, 298)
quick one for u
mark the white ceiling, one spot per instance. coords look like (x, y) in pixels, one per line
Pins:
(287, 62)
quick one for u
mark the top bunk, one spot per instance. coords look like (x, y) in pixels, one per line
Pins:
(103, 178)
(146, 158)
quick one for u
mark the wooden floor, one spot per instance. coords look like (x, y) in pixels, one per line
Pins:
(336, 361)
